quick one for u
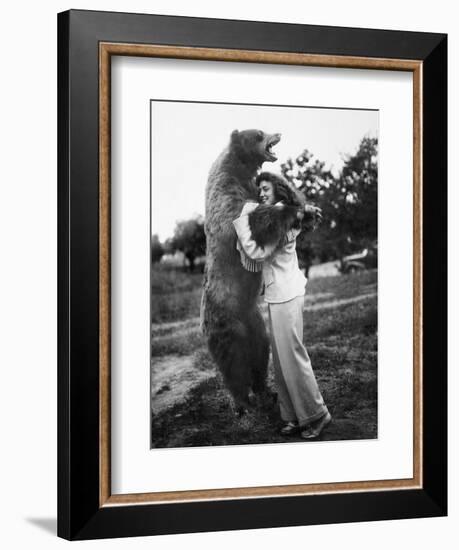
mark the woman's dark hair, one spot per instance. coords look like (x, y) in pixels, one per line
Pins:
(281, 188)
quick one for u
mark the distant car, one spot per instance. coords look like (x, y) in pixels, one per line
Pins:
(365, 259)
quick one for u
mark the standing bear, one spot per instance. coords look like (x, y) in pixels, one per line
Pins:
(230, 318)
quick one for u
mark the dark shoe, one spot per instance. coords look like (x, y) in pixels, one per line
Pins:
(313, 431)
(290, 428)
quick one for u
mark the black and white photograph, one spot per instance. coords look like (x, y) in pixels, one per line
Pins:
(229, 289)
(264, 247)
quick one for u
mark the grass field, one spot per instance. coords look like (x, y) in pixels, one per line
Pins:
(190, 405)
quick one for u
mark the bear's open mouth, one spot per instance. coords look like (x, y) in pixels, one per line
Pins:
(271, 141)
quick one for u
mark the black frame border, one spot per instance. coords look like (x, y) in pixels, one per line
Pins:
(79, 514)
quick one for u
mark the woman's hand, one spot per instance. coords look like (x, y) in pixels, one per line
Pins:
(313, 211)
(313, 215)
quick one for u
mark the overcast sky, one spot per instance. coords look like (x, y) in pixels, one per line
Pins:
(187, 137)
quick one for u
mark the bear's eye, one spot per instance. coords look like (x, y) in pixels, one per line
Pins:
(259, 135)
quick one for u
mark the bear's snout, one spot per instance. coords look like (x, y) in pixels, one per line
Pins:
(271, 141)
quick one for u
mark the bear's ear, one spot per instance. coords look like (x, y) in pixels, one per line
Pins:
(234, 136)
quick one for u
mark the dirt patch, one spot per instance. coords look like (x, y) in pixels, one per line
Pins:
(173, 377)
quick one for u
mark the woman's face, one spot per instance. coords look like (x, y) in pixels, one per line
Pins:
(266, 192)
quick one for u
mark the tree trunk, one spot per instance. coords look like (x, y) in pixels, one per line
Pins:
(191, 258)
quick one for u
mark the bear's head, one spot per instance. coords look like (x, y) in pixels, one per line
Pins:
(254, 146)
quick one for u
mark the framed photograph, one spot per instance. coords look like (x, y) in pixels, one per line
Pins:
(252, 275)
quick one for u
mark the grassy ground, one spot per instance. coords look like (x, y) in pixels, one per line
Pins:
(191, 406)
(176, 295)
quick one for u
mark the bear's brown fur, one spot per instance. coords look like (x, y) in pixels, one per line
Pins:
(230, 317)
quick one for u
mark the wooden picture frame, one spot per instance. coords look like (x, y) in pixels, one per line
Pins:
(87, 41)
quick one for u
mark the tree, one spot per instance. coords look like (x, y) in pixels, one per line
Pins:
(353, 201)
(348, 201)
(311, 178)
(157, 249)
(189, 238)
(359, 179)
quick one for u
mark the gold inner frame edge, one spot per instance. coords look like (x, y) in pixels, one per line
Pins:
(106, 50)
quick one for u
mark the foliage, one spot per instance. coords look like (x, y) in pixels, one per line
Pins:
(157, 250)
(189, 238)
(352, 201)
(348, 201)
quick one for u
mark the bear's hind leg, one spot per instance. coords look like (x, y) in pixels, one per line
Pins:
(259, 352)
(230, 349)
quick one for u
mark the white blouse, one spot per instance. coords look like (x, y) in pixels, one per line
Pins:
(282, 277)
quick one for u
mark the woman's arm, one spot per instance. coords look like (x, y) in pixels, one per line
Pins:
(252, 250)
(292, 234)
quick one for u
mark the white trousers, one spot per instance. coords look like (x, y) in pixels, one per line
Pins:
(298, 393)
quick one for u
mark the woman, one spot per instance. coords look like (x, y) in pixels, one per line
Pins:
(301, 404)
